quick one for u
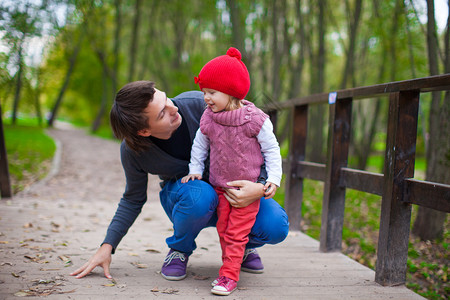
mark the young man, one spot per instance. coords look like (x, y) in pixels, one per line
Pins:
(157, 134)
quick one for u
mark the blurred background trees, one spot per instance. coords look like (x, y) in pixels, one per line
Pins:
(67, 58)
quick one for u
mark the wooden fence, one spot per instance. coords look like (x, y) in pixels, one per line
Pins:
(396, 186)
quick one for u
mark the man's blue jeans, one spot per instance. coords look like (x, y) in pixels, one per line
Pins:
(192, 206)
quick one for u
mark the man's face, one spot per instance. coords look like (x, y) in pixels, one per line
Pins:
(163, 117)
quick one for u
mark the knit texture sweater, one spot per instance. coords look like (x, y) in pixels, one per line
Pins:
(234, 149)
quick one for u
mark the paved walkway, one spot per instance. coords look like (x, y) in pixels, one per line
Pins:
(53, 227)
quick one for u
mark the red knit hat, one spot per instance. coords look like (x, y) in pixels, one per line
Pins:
(226, 74)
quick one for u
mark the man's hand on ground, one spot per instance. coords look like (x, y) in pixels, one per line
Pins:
(101, 258)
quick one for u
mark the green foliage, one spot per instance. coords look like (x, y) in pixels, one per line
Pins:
(29, 152)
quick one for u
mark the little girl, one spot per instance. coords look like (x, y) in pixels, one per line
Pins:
(240, 139)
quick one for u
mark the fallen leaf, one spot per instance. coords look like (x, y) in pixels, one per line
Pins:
(67, 261)
(15, 275)
(139, 265)
(6, 263)
(43, 281)
(55, 225)
(152, 251)
(4, 242)
(27, 225)
(155, 289)
(65, 244)
(23, 293)
(109, 284)
(169, 291)
(113, 283)
(35, 259)
(132, 254)
(200, 277)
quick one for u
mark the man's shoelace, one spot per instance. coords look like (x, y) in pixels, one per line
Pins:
(173, 255)
(247, 252)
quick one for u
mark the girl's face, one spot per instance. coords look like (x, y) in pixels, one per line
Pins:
(216, 100)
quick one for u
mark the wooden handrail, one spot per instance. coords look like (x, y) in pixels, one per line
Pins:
(426, 84)
(396, 186)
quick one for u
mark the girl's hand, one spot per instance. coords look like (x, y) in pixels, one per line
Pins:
(191, 177)
(270, 190)
(247, 193)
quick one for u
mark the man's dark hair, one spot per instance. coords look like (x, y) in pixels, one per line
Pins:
(127, 113)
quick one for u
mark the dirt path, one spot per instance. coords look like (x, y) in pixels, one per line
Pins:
(54, 226)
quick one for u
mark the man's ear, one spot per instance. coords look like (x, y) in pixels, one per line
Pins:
(144, 132)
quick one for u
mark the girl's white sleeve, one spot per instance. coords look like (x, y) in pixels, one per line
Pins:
(271, 152)
(199, 152)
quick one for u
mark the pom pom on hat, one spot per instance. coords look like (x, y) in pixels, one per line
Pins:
(226, 74)
(233, 52)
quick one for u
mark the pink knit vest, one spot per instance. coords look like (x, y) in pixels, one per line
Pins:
(235, 153)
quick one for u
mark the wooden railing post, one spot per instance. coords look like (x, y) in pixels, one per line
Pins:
(5, 183)
(333, 204)
(399, 164)
(297, 149)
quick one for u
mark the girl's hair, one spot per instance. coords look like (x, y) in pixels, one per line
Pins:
(127, 115)
(233, 103)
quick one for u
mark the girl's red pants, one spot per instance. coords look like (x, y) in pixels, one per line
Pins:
(233, 227)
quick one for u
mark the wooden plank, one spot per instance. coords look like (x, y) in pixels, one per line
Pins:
(362, 181)
(294, 183)
(333, 204)
(311, 170)
(395, 217)
(5, 182)
(426, 84)
(428, 194)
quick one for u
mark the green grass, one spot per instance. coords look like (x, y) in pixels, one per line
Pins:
(29, 152)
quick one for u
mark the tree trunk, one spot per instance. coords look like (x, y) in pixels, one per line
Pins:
(5, 180)
(179, 23)
(238, 30)
(37, 95)
(72, 62)
(134, 39)
(317, 112)
(277, 53)
(148, 43)
(105, 95)
(18, 86)
(117, 4)
(264, 54)
(393, 50)
(295, 86)
(363, 151)
(349, 67)
(429, 224)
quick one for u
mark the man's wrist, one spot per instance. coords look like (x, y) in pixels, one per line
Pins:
(107, 247)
